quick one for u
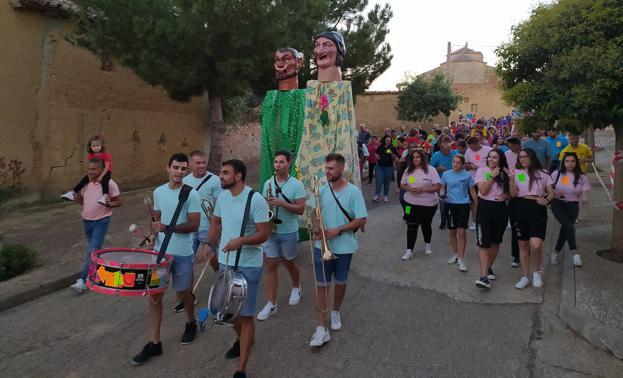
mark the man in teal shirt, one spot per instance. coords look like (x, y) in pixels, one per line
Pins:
(339, 227)
(227, 223)
(286, 197)
(166, 199)
(556, 144)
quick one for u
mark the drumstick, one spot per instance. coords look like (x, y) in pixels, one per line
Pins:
(137, 232)
(200, 276)
(147, 202)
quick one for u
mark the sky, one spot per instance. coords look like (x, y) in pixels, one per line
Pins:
(421, 29)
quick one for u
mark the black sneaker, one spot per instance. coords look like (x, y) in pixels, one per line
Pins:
(189, 332)
(150, 350)
(442, 226)
(483, 283)
(491, 275)
(240, 374)
(234, 351)
(516, 263)
(180, 306)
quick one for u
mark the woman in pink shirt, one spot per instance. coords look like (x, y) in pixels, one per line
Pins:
(492, 213)
(533, 189)
(570, 187)
(421, 185)
(372, 157)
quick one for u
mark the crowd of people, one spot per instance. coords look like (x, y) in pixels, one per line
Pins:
(484, 171)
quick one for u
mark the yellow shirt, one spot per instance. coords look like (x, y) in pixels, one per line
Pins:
(582, 151)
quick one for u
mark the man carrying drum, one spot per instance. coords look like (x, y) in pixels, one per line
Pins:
(166, 199)
(227, 224)
(96, 217)
(339, 234)
(286, 196)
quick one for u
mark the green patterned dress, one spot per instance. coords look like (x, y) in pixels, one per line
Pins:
(329, 127)
(281, 120)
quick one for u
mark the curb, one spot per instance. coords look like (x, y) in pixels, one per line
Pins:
(585, 325)
(37, 292)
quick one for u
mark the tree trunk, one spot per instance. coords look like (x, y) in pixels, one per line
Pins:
(617, 215)
(214, 134)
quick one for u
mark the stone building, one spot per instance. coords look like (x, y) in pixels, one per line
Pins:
(470, 76)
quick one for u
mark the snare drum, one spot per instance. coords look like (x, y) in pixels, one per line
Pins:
(128, 272)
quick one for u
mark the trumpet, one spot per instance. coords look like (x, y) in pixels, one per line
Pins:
(208, 209)
(324, 245)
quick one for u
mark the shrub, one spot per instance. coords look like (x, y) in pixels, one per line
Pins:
(15, 259)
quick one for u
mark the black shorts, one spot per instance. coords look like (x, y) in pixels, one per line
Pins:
(458, 215)
(491, 221)
(528, 219)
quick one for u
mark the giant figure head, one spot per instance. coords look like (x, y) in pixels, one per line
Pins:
(288, 62)
(329, 51)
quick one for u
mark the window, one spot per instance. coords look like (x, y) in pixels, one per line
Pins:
(474, 108)
(466, 100)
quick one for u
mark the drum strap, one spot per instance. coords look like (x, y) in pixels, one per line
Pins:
(245, 218)
(168, 233)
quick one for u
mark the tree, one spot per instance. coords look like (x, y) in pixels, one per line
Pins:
(222, 48)
(420, 99)
(565, 62)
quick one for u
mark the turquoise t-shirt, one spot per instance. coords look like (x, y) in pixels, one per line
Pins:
(165, 201)
(231, 211)
(457, 186)
(208, 191)
(293, 189)
(352, 201)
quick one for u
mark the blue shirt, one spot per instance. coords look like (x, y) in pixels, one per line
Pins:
(352, 201)
(441, 159)
(457, 186)
(502, 148)
(165, 201)
(208, 192)
(293, 189)
(540, 147)
(231, 211)
(556, 145)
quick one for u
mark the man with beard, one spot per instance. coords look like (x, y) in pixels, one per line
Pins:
(166, 199)
(227, 223)
(343, 212)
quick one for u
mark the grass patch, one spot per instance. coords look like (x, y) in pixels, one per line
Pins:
(16, 259)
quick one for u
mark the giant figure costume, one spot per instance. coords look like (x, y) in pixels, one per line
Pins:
(282, 113)
(329, 117)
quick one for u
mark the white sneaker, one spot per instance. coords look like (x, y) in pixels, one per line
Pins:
(554, 258)
(453, 259)
(522, 283)
(269, 310)
(295, 296)
(69, 196)
(428, 249)
(102, 201)
(375, 199)
(462, 266)
(319, 337)
(577, 260)
(385, 199)
(407, 256)
(537, 281)
(472, 226)
(79, 286)
(336, 321)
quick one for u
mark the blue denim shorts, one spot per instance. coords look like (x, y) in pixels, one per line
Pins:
(253, 277)
(282, 245)
(198, 238)
(336, 268)
(182, 272)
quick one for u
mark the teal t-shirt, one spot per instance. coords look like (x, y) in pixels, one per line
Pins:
(165, 201)
(352, 201)
(293, 189)
(208, 191)
(231, 211)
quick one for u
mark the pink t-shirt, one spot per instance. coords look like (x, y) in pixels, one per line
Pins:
(419, 179)
(91, 193)
(511, 158)
(522, 180)
(372, 151)
(477, 157)
(496, 192)
(566, 191)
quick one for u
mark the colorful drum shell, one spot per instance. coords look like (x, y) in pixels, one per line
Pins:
(110, 275)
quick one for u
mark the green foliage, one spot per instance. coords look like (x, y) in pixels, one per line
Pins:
(240, 109)
(11, 173)
(15, 259)
(420, 99)
(566, 62)
(225, 46)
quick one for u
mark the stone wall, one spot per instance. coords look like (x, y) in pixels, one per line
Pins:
(242, 141)
(54, 96)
